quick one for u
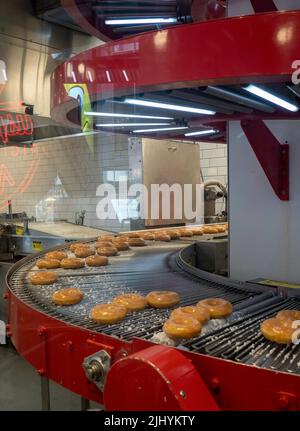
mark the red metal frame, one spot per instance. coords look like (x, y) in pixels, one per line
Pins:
(57, 350)
(272, 156)
(241, 57)
(166, 374)
(182, 64)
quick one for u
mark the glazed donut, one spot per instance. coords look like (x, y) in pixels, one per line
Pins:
(217, 307)
(43, 277)
(136, 242)
(72, 263)
(199, 313)
(197, 231)
(277, 330)
(220, 229)
(74, 246)
(84, 251)
(48, 263)
(132, 301)
(69, 296)
(108, 313)
(148, 236)
(123, 238)
(162, 237)
(107, 251)
(186, 233)
(173, 234)
(121, 245)
(162, 299)
(182, 327)
(103, 244)
(209, 230)
(108, 238)
(119, 239)
(132, 235)
(96, 261)
(288, 315)
(58, 255)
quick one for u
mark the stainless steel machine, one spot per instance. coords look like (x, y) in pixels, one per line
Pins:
(21, 235)
(214, 190)
(171, 164)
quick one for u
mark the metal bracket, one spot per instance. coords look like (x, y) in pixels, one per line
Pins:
(263, 6)
(286, 401)
(272, 156)
(96, 367)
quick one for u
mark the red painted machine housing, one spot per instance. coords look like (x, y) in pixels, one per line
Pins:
(57, 350)
(230, 51)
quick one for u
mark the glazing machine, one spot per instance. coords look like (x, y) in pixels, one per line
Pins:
(122, 367)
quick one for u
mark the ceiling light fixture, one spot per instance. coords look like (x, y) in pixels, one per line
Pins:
(201, 132)
(165, 129)
(170, 107)
(131, 124)
(271, 98)
(74, 76)
(129, 21)
(112, 114)
(125, 75)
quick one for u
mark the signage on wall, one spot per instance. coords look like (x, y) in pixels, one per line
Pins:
(12, 124)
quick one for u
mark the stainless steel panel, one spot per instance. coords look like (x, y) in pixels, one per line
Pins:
(212, 255)
(166, 162)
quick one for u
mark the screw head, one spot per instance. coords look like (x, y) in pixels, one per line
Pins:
(41, 331)
(182, 393)
(283, 402)
(70, 345)
(215, 384)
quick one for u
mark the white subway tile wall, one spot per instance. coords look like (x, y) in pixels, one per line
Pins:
(69, 170)
(213, 162)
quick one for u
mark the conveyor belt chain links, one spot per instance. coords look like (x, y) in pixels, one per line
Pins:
(96, 367)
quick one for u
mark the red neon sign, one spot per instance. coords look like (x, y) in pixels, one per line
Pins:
(15, 125)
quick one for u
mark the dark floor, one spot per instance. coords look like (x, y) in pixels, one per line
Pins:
(20, 387)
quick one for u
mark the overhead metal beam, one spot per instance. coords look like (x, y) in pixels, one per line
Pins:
(238, 98)
(263, 6)
(272, 156)
(198, 97)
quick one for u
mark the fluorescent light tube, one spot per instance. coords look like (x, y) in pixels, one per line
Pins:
(202, 132)
(271, 98)
(111, 114)
(159, 105)
(131, 124)
(165, 129)
(4, 74)
(126, 21)
(74, 76)
(125, 75)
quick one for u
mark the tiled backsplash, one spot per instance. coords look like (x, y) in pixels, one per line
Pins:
(213, 162)
(68, 174)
